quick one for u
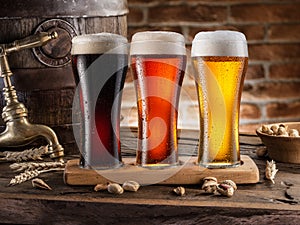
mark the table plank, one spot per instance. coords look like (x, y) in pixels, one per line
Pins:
(155, 204)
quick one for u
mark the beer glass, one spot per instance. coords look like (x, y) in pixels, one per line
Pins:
(100, 64)
(220, 60)
(158, 61)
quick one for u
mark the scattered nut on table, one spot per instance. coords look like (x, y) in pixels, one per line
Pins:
(225, 189)
(180, 191)
(230, 183)
(115, 188)
(262, 151)
(131, 186)
(100, 187)
(209, 184)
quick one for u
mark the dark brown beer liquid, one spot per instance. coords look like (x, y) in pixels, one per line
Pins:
(102, 76)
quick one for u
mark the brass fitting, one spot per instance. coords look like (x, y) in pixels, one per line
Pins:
(19, 131)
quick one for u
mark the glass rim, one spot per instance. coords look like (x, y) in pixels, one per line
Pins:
(163, 36)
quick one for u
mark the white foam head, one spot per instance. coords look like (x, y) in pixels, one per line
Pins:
(157, 42)
(220, 43)
(99, 43)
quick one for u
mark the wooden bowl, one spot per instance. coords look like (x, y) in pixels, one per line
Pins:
(280, 148)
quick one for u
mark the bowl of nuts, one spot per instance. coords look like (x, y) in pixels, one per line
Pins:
(282, 141)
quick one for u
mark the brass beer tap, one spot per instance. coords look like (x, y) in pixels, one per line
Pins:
(19, 131)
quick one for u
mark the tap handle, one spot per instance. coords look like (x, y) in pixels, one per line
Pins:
(32, 41)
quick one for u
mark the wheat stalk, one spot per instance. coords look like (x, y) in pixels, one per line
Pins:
(18, 167)
(26, 155)
(28, 175)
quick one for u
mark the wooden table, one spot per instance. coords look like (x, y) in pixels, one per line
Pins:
(262, 203)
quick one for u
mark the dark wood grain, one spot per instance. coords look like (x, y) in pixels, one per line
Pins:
(48, 92)
(263, 203)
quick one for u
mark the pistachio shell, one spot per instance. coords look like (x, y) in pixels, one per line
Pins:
(210, 178)
(261, 151)
(115, 188)
(231, 183)
(100, 187)
(131, 186)
(180, 191)
(281, 131)
(293, 133)
(209, 186)
(275, 128)
(225, 189)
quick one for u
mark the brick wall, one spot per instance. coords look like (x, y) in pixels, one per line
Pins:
(272, 86)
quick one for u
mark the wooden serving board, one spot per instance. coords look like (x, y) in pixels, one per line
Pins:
(186, 174)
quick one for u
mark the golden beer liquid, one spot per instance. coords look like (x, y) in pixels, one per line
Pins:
(219, 81)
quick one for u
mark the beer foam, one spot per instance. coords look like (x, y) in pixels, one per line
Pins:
(220, 43)
(157, 42)
(99, 43)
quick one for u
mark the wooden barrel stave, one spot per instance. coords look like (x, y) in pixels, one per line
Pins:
(48, 92)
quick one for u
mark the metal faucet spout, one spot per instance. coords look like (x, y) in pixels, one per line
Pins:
(20, 132)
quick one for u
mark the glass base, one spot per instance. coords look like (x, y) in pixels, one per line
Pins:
(103, 167)
(158, 166)
(220, 165)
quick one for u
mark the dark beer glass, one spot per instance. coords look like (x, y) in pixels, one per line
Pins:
(100, 64)
(158, 61)
(220, 60)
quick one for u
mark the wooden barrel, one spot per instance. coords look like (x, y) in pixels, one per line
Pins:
(43, 76)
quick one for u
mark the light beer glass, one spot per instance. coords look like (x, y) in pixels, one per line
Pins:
(220, 60)
(100, 64)
(158, 61)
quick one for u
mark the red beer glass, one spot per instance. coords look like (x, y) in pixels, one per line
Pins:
(158, 61)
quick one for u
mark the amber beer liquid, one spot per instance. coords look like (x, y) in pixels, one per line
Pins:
(219, 75)
(101, 72)
(158, 78)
